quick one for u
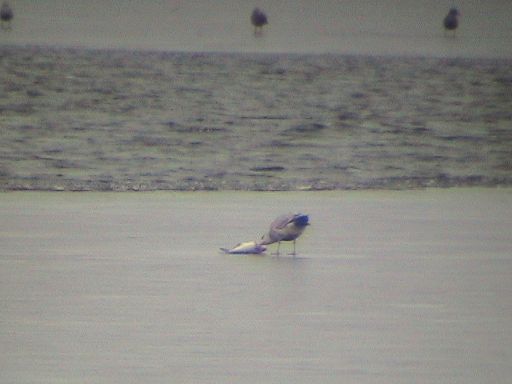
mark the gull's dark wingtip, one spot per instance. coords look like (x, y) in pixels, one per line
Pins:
(301, 220)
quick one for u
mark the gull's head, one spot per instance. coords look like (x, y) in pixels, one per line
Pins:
(265, 239)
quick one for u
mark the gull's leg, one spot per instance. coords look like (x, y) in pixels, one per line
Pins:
(278, 245)
(293, 253)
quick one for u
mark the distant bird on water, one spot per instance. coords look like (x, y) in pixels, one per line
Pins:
(451, 21)
(6, 15)
(285, 228)
(258, 19)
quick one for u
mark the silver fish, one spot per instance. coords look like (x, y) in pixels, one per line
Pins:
(248, 247)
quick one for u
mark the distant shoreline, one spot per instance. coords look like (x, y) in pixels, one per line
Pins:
(255, 53)
(499, 188)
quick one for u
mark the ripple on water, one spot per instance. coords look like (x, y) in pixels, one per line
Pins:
(270, 168)
(307, 128)
(73, 119)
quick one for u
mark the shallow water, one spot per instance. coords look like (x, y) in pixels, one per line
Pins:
(398, 27)
(401, 287)
(125, 120)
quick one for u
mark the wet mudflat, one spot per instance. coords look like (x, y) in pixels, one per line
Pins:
(404, 286)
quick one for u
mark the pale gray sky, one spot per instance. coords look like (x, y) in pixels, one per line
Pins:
(337, 26)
